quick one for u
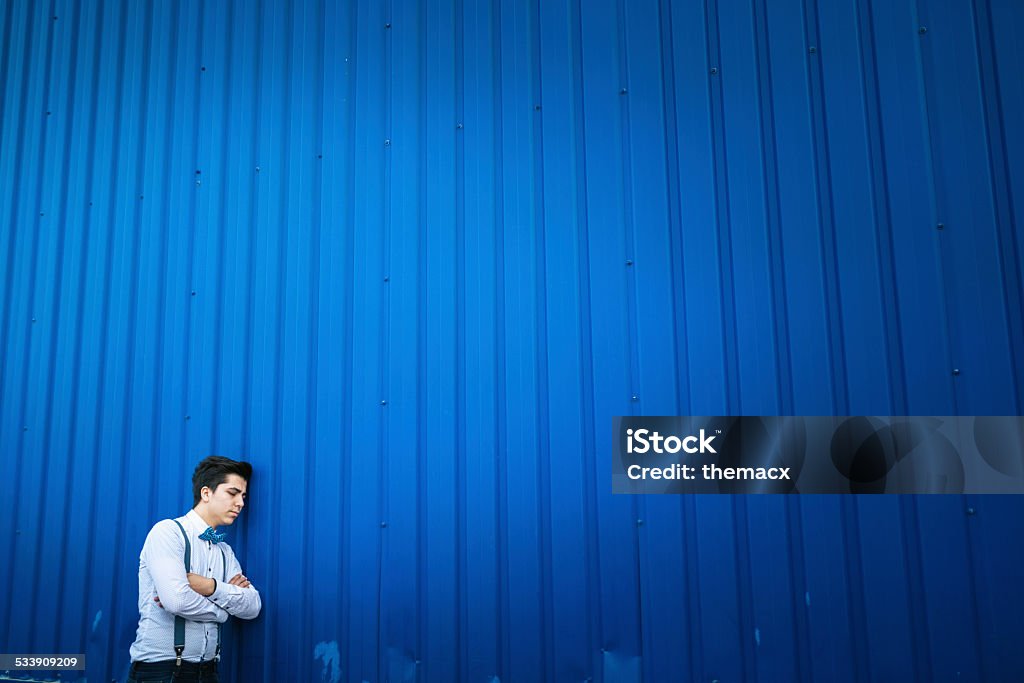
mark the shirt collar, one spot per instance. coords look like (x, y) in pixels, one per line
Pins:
(195, 522)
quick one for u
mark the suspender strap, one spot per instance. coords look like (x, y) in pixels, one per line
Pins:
(224, 567)
(179, 622)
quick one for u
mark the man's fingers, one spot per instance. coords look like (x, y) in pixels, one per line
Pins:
(240, 580)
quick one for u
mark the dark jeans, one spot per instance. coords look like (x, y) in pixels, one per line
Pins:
(169, 672)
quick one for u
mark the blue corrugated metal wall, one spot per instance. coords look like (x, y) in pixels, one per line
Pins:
(410, 257)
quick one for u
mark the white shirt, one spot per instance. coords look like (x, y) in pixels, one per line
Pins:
(162, 573)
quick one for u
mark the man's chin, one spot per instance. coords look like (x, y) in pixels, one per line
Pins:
(229, 520)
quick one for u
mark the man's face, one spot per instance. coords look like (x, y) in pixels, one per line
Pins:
(226, 503)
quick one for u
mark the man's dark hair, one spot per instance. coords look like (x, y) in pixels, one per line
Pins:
(213, 471)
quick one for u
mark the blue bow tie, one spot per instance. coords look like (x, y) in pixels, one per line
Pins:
(212, 536)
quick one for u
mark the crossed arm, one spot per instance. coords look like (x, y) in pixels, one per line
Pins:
(194, 596)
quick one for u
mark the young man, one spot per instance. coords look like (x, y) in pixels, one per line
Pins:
(184, 590)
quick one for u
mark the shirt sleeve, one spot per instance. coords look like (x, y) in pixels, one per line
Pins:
(164, 555)
(243, 603)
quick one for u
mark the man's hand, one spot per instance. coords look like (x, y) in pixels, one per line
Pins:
(201, 584)
(240, 581)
